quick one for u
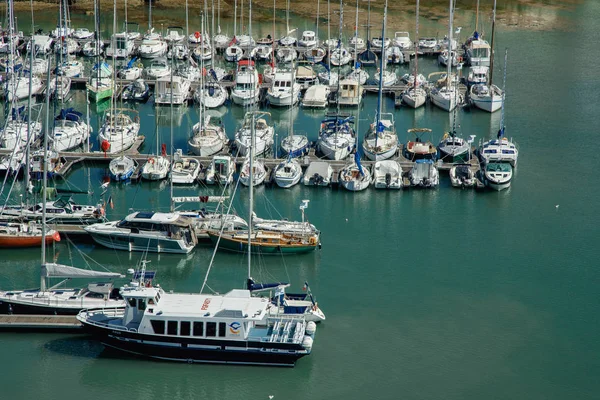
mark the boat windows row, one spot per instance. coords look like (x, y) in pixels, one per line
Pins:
(189, 328)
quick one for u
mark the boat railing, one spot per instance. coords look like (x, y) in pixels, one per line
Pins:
(109, 313)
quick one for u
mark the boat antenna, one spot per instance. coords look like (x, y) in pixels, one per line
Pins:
(476, 17)
(491, 74)
(45, 179)
(449, 49)
(501, 133)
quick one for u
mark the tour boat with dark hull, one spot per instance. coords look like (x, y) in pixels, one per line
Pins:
(61, 211)
(234, 328)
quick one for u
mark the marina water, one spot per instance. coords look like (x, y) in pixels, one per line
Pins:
(447, 293)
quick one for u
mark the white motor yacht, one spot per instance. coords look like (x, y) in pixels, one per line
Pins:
(185, 170)
(402, 40)
(158, 68)
(171, 90)
(498, 175)
(316, 96)
(288, 173)
(152, 46)
(148, 232)
(247, 86)
(486, 97)
(424, 174)
(318, 173)
(221, 170)
(120, 46)
(284, 91)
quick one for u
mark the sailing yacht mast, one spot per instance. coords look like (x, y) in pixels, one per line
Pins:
(381, 68)
(449, 63)
(251, 195)
(44, 179)
(492, 46)
(416, 84)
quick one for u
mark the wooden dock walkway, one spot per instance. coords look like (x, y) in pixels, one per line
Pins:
(44, 323)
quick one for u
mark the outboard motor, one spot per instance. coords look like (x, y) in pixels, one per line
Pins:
(388, 179)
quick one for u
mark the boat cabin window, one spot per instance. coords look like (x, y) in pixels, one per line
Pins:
(198, 328)
(158, 326)
(132, 302)
(93, 295)
(211, 329)
(184, 328)
(172, 328)
(222, 329)
(141, 304)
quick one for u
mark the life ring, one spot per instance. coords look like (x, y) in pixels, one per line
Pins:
(312, 241)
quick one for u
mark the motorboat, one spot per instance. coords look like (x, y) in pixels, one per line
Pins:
(498, 175)
(355, 177)
(202, 52)
(119, 130)
(478, 52)
(138, 90)
(156, 168)
(189, 71)
(394, 55)
(305, 75)
(185, 170)
(259, 173)
(445, 42)
(356, 44)
(51, 162)
(247, 86)
(424, 174)
(284, 91)
(454, 149)
(207, 138)
(62, 31)
(316, 96)
(381, 141)
(158, 68)
(263, 132)
(377, 43)
(171, 90)
(148, 232)
(337, 138)
(350, 93)
(318, 173)
(477, 75)
(121, 168)
(419, 148)
(63, 210)
(174, 34)
(428, 44)
(309, 39)
(462, 176)
(220, 171)
(287, 41)
(387, 174)
(288, 173)
(70, 130)
(402, 40)
(120, 46)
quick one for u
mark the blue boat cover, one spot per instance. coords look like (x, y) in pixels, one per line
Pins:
(69, 114)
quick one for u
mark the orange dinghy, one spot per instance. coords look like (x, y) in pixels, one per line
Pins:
(17, 235)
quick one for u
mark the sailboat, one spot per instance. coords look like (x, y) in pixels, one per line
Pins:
(157, 166)
(100, 85)
(258, 126)
(415, 96)
(446, 96)
(499, 155)
(357, 73)
(381, 142)
(265, 242)
(488, 97)
(367, 56)
(315, 53)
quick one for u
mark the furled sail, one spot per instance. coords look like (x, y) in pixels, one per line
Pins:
(53, 270)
